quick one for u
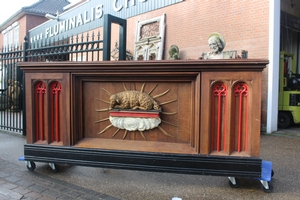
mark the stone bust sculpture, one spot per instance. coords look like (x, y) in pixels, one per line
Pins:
(173, 53)
(216, 43)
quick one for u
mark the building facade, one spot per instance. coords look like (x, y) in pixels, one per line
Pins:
(16, 27)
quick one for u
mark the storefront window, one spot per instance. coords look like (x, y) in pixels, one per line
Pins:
(16, 36)
(10, 39)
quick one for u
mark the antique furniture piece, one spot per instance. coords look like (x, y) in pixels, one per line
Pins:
(183, 116)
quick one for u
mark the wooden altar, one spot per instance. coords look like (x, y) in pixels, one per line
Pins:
(209, 118)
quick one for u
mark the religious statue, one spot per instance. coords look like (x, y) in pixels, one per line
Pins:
(216, 43)
(174, 53)
(13, 94)
(132, 99)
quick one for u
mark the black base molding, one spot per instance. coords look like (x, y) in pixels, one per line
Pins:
(145, 161)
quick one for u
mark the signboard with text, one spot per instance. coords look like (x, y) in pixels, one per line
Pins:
(89, 15)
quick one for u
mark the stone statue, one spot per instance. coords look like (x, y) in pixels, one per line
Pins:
(174, 53)
(13, 94)
(216, 43)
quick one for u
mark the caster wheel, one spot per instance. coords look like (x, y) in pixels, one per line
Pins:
(236, 185)
(54, 167)
(272, 173)
(269, 190)
(31, 166)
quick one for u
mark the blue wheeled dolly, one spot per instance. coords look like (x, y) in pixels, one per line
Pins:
(231, 167)
(265, 179)
(31, 165)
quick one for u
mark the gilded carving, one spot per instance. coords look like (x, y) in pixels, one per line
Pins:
(133, 110)
(133, 100)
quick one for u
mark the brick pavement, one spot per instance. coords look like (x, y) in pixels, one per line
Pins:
(18, 183)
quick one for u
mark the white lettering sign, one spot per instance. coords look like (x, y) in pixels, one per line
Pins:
(80, 19)
(119, 6)
(115, 6)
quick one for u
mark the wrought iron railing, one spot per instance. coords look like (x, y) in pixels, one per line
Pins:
(82, 47)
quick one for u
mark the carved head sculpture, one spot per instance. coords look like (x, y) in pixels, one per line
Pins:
(173, 52)
(216, 43)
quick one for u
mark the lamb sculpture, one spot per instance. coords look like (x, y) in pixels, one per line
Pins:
(133, 100)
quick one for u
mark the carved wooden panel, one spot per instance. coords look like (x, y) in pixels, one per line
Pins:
(46, 112)
(230, 113)
(173, 95)
(149, 44)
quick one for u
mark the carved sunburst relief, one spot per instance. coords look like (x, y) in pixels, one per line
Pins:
(133, 110)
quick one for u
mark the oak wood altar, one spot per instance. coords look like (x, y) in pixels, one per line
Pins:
(208, 107)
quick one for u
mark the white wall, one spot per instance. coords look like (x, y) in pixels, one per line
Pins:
(273, 73)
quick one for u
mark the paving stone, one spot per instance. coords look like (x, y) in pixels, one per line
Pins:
(38, 188)
(9, 186)
(3, 197)
(52, 193)
(21, 190)
(12, 167)
(12, 179)
(25, 183)
(106, 197)
(10, 194)
(19, 174)
(33, 195)
(45, 198)
(87, 197)
(58, 187)
(72, 193)
(88, 191)
(27, 198)
(65, 197)
(4, 191)
(4, 174)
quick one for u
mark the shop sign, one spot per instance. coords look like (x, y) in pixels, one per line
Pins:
(89, 15)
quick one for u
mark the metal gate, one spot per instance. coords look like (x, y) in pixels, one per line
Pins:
(78, 48)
